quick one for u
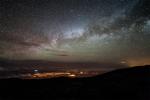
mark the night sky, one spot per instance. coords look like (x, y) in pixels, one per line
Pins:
(98, 31)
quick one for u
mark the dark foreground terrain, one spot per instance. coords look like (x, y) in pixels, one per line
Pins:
(124, 84)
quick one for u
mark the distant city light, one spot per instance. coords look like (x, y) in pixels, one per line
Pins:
(72, 75)
(36, 70)
(81, 72)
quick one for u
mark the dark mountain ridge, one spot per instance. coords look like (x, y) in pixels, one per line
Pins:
(123, 84)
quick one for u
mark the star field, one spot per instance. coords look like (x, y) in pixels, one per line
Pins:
(76, 30)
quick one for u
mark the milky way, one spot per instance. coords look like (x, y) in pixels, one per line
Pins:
(76, 30)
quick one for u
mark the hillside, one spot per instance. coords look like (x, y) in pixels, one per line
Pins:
(123, 84)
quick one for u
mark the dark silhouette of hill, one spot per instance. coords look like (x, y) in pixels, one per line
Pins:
(123, 84)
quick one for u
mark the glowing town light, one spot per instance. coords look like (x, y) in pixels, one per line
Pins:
(72, 75)
(36, 71)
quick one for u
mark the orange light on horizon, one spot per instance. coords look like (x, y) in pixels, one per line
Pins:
(72, 75)
(138, 62)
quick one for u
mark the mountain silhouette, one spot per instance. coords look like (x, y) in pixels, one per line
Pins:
(123, 84)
